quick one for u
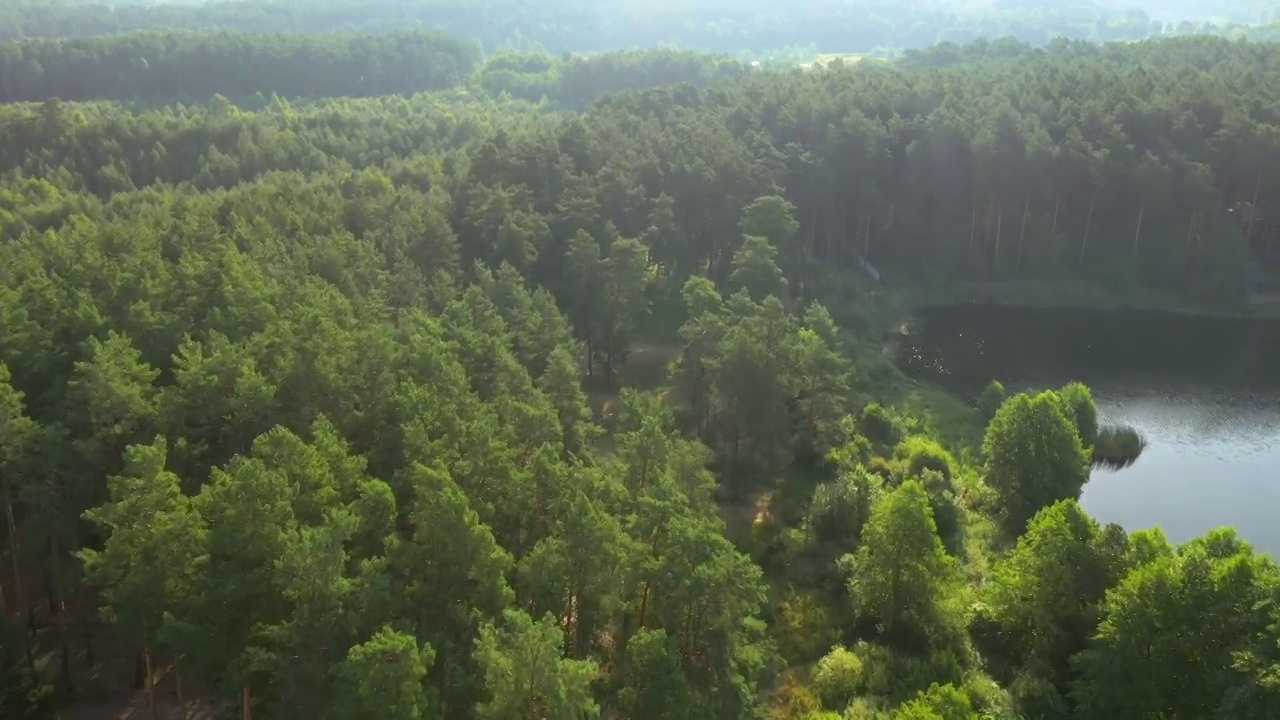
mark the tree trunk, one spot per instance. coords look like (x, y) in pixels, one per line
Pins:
(151, 689)
(1088, 223)
(644, 606)
(1022, 234)
(1253, 210)
(534, 700)
(1056, 203)
(973, 227)
(90, 657)
(13, 552)
(866, 237)
(844, 226)
(1137, 235)
(64, 661)
(809, 250)
(1191, 226)
(50, 578)
(995, 257)
(246, 704)
(813, 233)
(49, 595)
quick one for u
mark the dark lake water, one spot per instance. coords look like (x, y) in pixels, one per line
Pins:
(1204, 391)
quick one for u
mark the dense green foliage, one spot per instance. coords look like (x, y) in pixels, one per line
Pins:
(22, 693)
(458, 405)
(1160, 175)
(166, 67)
(1118, 446)
(154, 66)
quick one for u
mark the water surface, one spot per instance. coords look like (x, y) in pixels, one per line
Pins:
(1204, 391)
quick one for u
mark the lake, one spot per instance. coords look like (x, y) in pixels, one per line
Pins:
(1205, 392)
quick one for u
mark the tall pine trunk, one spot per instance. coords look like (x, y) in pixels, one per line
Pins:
(10, 543)
(810, 249)
(14, 550)
(1253, 210)
(843, 239)
(151, 684)
(83, 613)
(1088, 223)
(995, 257)
(1057, 202)
(90, 657)
(1137, 235)
(1022, 234)
(51, 585)
(866, 237)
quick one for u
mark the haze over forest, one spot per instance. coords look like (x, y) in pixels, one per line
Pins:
(500, 360)
(754, 26)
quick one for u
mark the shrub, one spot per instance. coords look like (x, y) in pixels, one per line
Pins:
(921, 453)
(791, 700)
(946, 513)
(883, 467)
(804, 628)
(1118, 446)
(838, 678)
(840, 508)
(992, 397)
(1080, 408)
(880, 426)
(1035, 696)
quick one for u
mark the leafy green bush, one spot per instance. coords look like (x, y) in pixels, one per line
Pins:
(1080, 406)
(883, 467)
(946, 513)
(921, 453)
(992, 397)
(838, 678)
(880, 425)
(840, 508)
(803, 628)
(1118, 446)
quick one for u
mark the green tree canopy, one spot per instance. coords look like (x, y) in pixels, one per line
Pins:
(1034, 457)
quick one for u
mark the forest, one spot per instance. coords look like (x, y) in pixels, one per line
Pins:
(873, 27)
(446, 385)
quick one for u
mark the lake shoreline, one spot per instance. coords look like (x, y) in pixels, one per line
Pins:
(1079, 296)
(1271, 312)
(1200, 397)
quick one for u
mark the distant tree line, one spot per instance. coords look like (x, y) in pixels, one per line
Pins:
(587, 26)
(153, 66)
(1130, 163)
